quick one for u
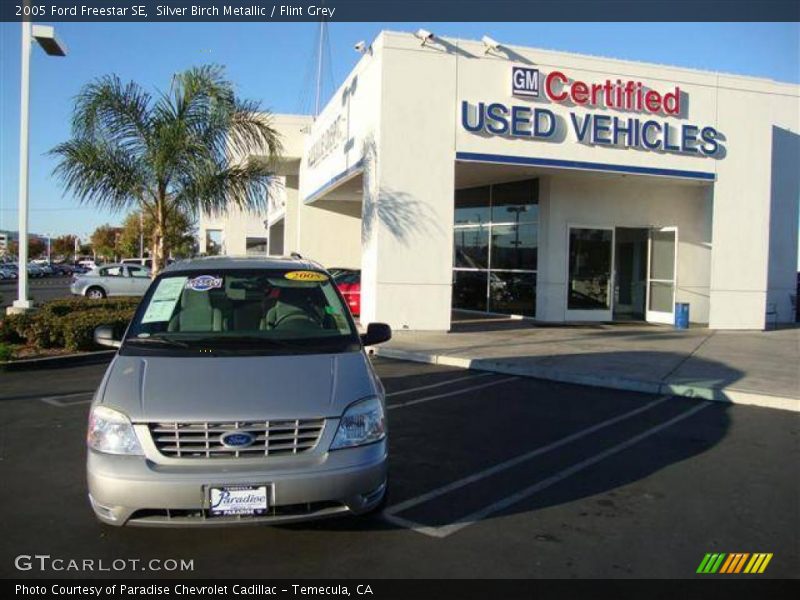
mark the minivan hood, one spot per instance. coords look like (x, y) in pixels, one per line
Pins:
(242, 388)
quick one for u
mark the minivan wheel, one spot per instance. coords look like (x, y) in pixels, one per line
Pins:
(95, 293)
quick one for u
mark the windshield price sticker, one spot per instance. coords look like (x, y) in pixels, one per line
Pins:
(203, 283)
(164, 299)
(306, 276)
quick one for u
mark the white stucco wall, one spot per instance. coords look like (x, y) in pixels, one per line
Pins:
(328, 232)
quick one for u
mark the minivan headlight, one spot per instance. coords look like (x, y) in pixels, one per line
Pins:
(111, 432)
(362, 423)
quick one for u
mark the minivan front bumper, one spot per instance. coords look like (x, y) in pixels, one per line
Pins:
(134, 490)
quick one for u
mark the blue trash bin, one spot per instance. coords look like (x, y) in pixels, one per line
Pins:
(681, 315)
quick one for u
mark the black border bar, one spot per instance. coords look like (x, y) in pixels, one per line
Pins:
(407, 10)
(420, 589)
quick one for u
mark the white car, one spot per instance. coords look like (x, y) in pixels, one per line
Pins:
(112, 280)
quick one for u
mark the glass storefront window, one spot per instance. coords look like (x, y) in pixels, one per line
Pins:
(469, 290)
(514, 246)
(662, 255)
(512, 293)
(515, 202)
(589, 269)
(495, 240)
(256, 246)
(661, 295)
(472, 205)
(471, 247)
(213, 242)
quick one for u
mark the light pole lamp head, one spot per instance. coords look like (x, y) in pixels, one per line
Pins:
(45, 35)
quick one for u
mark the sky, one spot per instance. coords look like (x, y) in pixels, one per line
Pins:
(273, 63)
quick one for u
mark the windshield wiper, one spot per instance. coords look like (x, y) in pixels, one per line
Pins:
(158, 339)
(242, 339)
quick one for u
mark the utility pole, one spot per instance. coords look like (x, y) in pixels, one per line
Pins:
(319, 68)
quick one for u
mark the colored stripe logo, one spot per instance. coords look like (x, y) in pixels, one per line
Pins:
(734, 563)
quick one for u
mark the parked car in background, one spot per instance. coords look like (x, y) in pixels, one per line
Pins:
(35, 271)
(87, 264)
(112, 280)
(349, 283)
(62, 269)
(145, 262)
(259, 404)
(7, 273)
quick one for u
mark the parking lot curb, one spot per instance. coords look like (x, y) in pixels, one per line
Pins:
(56, 362)
(724, 394)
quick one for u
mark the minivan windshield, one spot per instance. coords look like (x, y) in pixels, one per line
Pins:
(242, 311)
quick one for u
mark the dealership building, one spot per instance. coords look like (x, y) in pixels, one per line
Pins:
(475, 176)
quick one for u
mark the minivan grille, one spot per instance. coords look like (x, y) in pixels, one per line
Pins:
(204, 439)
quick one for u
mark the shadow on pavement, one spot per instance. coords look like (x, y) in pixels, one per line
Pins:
(434, 454)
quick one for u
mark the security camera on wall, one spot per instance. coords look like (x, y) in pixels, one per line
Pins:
(425, 35)
(360, 47)
(491, 44)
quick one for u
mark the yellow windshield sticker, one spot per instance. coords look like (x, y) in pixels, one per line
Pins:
(306, 276)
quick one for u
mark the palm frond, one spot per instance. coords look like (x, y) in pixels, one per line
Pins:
(116, 113)
(100, 174)
(214, 188)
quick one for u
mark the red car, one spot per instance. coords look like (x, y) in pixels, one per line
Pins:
(349, 283)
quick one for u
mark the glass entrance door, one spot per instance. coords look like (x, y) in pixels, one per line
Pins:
(662, 258)
(589, 277)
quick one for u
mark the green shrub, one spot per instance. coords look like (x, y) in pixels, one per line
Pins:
(65, 306)
(78, 330)
(5, 352)
(68, 322)
(14, 327)
(8, 330)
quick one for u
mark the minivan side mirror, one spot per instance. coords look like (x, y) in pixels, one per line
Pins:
(104, 336)
(376, 334)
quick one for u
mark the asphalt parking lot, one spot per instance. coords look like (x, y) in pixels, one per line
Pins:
(40, 290)
(491, 476)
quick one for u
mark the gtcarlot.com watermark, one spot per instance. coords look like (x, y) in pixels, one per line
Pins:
(46, 562)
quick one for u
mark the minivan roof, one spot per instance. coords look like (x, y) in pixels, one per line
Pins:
(206, 263)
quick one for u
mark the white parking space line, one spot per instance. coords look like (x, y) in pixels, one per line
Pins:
(390, 514)
(58, 401)
(513, 462)
(453, 393)
(435, 385)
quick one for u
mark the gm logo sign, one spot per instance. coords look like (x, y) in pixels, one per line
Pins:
(525, 81)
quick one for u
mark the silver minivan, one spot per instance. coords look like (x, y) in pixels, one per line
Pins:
(240, 393)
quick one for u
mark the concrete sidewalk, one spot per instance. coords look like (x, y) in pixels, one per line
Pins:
(761, 368)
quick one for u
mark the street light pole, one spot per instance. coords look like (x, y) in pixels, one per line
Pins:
(22, 303)
(46, 38)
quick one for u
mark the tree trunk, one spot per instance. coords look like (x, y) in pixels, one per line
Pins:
(157, 254)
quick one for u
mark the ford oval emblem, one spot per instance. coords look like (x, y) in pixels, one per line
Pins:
(237, 439)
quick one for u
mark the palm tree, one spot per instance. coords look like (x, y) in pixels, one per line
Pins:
(196, 149)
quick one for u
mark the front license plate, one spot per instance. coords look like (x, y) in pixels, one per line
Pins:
(238, 500)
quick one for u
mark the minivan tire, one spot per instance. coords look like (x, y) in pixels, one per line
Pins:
(95, 293)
